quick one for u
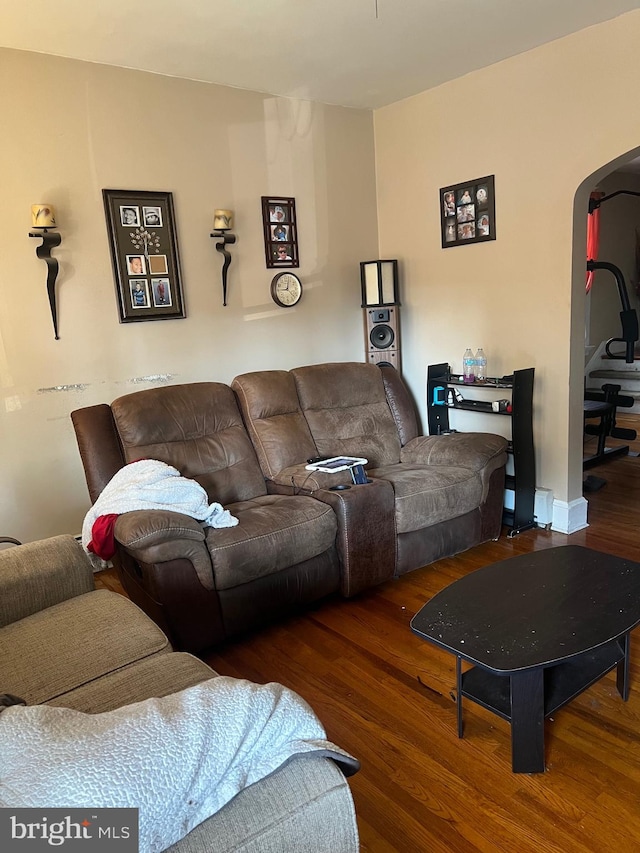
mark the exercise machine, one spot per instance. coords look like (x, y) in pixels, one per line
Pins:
(603, 405)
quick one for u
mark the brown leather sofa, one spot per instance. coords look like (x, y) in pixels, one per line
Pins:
(445, 493)
(297, 540)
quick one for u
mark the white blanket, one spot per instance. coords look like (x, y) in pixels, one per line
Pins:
(178, 759)
(150, 484)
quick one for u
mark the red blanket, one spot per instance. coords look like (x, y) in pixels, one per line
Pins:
(102, 540)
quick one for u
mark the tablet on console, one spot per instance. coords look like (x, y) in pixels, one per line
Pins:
(336, 463)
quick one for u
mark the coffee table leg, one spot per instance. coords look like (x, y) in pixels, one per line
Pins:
(622, 673)
(527, 721)
(459, 694)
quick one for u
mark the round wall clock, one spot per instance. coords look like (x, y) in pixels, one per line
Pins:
(286, 289)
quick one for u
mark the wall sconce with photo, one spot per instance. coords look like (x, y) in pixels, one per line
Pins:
(43, 219)
(222, 225)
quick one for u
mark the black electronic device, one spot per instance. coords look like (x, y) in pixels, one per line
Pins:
(358, 475)
(483, 405)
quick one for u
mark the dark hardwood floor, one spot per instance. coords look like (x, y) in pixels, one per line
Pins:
(386, 696)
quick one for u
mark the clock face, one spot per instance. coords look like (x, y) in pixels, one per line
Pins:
(286, 289)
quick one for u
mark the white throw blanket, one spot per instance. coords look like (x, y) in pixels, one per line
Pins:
(178, 759)
(150, 484)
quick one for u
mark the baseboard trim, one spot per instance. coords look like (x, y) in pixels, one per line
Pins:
(569, 517)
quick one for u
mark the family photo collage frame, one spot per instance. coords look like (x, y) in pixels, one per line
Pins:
(144, 254)
(280, 232)
(468, 212)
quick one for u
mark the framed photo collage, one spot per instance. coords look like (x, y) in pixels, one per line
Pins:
(468, 212)
(144, 254)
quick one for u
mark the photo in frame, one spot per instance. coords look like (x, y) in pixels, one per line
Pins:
(468, 212)
(144, 254)
(280, 231)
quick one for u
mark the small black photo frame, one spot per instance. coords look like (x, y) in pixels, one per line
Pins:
(280, 232)
(468, 212)
(144, 254)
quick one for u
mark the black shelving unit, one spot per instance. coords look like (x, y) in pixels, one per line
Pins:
(443, 395)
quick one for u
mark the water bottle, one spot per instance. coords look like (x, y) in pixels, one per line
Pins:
(468, 367)
(481, 365)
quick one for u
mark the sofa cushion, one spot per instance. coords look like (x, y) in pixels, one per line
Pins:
(271, 410)
(198, 429)
(73, 643)
(137, 681)
(475, 450)
(347, 411)
(273, 533)
(427, 494)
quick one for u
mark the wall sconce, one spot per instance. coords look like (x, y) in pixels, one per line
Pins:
(43, 219)
(379, 283)
(222, 224)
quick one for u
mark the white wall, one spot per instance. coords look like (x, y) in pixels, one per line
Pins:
(544, 123)
(70, 129)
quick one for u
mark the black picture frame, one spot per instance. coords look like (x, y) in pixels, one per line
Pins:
(280, 232)
(468, 212)
(144, 254)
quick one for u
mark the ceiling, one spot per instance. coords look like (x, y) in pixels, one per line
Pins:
(357, 53)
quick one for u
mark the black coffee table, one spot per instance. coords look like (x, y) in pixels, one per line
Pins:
(539, 628)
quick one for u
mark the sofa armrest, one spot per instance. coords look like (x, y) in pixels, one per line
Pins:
(40, 574)
(401, 403)
(304, 805)
(158, 536)
(366, 538)
(474, 450)
(99, 446)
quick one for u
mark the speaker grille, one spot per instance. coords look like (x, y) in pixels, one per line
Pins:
(382, 336)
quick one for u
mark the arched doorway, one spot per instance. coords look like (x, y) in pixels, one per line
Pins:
(605, 319)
